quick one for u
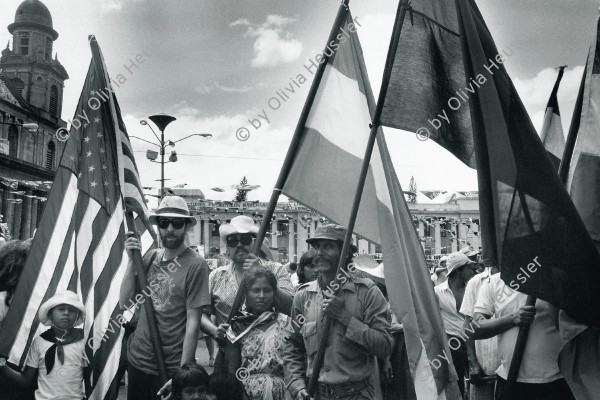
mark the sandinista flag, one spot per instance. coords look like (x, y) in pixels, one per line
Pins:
(80, 241)
(578, 359)
(543, 248)
(427, 92)
(324, 177)
(552, 133)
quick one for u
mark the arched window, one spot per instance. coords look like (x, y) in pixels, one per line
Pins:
(50, 155)
(53, 101)
(13, 141)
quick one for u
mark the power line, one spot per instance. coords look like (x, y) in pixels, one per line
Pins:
(205, 155)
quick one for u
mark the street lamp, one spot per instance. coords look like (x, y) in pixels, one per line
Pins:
(161, 121)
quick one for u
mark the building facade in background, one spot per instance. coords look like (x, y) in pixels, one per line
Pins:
(443, 227)
(31, 91)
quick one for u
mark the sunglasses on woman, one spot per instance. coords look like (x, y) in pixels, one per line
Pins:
(244, 238)
(163, 223)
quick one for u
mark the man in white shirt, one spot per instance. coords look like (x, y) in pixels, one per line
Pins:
(539, 376)
(450, 296)
(482, 354)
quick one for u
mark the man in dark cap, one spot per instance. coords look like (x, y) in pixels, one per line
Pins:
(360, 331)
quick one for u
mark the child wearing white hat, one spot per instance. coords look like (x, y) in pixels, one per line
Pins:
(57, 355)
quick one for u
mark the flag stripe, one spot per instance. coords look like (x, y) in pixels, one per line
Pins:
(330, 155)
(25, 308)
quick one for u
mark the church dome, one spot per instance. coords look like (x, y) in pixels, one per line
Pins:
(33, 14)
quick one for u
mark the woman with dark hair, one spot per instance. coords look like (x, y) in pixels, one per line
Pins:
(260, 332)
(13, 255)
(307, 272)
(12, 260)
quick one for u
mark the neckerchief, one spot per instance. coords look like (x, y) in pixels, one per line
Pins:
(50, 356)
(244, 322)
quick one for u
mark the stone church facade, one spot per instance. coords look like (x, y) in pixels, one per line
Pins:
(31, 97)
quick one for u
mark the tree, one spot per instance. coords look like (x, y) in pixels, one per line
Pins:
(241, 193)
(412, 187)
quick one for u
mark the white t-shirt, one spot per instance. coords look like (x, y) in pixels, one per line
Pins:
(540, 358)
(65, 382)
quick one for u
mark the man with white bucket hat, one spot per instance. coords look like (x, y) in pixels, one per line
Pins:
(178, 286)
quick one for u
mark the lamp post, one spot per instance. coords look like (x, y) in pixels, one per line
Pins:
(161, 121)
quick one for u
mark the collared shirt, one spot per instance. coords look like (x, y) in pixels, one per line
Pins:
(453, 321)
(223, 287)
(350, 354)
(485, 349)
(540, 357)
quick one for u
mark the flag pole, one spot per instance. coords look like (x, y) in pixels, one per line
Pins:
(137, 256)
(148, 307)
(291, 153)
(400, 14)
(517, 357)
(565, 163)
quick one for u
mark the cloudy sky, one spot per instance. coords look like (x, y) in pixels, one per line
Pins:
(214, 65)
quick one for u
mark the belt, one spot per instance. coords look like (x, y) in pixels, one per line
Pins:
(338, 391)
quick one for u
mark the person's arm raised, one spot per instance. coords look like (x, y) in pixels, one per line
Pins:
(127, 291)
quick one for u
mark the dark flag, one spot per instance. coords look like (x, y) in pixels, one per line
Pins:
(80, 243)
(543, 248)
(580, 169)
(427, 93)
(552, 133)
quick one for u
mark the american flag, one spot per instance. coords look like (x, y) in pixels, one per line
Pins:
(80, 241)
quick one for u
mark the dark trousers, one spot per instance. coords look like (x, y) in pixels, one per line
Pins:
(555, 390)
(142, 386)
(460, 360)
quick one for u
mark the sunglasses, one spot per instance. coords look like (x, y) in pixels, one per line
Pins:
(234, 240)
(163, 223)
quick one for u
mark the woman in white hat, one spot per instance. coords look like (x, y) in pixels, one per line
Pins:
(57, 356)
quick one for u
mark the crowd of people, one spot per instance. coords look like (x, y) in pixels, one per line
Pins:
(269, 347)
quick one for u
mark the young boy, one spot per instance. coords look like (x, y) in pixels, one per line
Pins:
(56, 356)
(190, 383)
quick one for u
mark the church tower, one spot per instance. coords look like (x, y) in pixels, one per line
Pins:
(29, 66)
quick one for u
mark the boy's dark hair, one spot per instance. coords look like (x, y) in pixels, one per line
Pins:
(225, 386)
(190, 374)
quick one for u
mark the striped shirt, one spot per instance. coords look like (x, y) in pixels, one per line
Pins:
(224, 286)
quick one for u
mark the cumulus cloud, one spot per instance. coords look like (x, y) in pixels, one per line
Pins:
(107, 6)
(273, 45)
(216, 87)
(111, 5)
(220, 161)
(535, 92)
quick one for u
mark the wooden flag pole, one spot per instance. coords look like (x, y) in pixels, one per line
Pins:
(291, 153)
(148, 307)
(320, 356)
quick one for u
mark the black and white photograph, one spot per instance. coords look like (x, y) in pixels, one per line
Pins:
(299, 200)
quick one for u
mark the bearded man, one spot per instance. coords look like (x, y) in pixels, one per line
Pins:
(178, 286)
